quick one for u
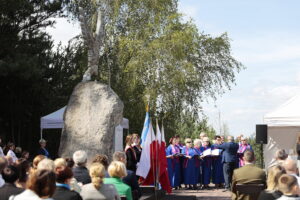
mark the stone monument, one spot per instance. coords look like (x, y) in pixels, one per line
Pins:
(94, 110)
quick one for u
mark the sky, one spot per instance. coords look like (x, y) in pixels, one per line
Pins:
(265, 38)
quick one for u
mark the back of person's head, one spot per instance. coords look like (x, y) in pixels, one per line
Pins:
(249, 156)
(36, 160)
(230, 138)
(42, 182)
(10, 174)
(18, 150)
(63, 173)
(274, 174)
(47, 164)
(103, 159)
(60, 162)
(119, 156)
(97, 171)
(70, 162)
(281, 154)
(117, 169)
(128, 139)
(24, 166)
(80, 157)
(3, 163)
(290, 166)
(288, 184)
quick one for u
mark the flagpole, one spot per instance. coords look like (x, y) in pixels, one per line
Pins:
(156, 155)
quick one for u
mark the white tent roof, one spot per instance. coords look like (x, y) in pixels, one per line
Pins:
(55, 120)
(287, 114)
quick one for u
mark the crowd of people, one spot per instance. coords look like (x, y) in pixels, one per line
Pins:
(67, 178)
(193, 166)
(200, 162)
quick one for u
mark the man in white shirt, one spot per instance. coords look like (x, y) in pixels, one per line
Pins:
(290, 167)
(3, 164)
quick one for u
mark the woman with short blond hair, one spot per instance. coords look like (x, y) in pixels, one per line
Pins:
(97, 190)
(117, 171)
(272, 192)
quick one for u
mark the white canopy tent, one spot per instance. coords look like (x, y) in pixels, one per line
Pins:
(283, 129)
(55, 121)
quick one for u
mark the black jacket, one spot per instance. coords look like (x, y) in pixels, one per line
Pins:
(9, 189)
(131, 180)
(62, 193)
(81, 174)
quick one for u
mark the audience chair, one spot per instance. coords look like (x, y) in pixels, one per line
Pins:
(123, 197)
(249, 190)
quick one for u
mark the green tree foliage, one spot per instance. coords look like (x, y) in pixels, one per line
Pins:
(25, 56)
(149, 49)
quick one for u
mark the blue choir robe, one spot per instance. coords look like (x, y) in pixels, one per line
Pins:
(217, 168)
(173, 166)
(189, 166)
(206, 167)
(181, 160)
(198, 176)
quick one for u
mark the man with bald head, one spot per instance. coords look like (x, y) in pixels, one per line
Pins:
(290, 167)
(229, 158)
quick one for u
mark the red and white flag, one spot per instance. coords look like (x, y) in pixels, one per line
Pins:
(162, 164)
(147, 156)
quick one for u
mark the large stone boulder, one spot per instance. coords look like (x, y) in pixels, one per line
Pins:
(93, 112)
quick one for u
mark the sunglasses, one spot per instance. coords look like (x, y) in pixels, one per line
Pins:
(188, 142)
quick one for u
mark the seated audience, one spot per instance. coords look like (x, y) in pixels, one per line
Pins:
(18, 152)
(1, 150)
(40, 185)
(102, 159)
(248, 174)
(73, 183)
(272, 191)
(290, 167)
(3, 164)
(130, 179)
(36, 161)
(117, 171)
(280, 157)
(81, 173)
(47, 164)
(63, 191)
(288, 185)
(97, 190)
(10, 151)
(10, 176)
(25, 155)
(23, 166)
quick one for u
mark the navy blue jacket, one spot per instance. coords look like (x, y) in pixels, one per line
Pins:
(230, 151)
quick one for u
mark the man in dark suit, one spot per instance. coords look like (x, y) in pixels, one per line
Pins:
(130, 179)
(229, 158)
(10, 175)
(248, 174)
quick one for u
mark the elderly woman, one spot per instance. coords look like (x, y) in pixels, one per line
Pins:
(206, 163)
(43, 150)
(288, 185)
(117, 171)
(172, 154)
(40, 185)
(97, 190)
(189, 164)
(243, 146)
(272, 191)
(197, 146)
(63, 190)
(81, 173)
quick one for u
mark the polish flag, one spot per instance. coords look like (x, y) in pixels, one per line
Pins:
(147, 160)
(162, 164)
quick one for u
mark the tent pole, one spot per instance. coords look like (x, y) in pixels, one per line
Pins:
(41, 133)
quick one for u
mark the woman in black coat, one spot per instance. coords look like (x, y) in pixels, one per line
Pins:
(63, 191)
(131, 157)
